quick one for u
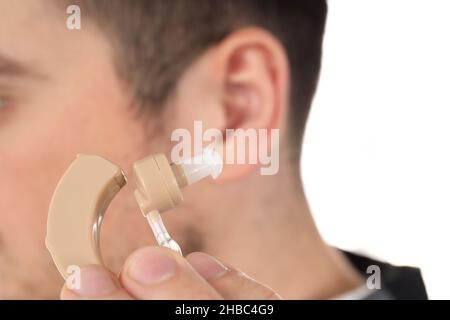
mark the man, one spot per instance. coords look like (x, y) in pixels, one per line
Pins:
(118, 87)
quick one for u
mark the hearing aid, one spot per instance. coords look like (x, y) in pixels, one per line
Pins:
(88, 186)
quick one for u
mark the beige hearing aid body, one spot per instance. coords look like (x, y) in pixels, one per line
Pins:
(87, 188)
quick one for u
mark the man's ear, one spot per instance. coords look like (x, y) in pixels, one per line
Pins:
(240, 83)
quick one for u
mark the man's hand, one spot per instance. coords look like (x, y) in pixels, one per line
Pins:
(159, 273)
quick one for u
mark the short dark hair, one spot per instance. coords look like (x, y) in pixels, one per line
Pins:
(156, 40)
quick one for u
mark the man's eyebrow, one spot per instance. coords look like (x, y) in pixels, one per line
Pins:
(12, 68)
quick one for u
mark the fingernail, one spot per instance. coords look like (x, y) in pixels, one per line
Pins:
(94, 281)
(208, 267)
(151, 265)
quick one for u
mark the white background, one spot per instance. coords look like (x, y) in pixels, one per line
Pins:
(376, 162)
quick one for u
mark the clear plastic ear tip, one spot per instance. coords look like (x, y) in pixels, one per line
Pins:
(215, 161)
(209, 163)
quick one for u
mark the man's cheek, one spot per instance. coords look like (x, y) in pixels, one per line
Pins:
(31, 170)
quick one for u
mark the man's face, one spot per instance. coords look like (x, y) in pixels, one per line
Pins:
(60, 97)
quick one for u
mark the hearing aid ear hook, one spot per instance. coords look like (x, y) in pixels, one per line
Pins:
(91, 182)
